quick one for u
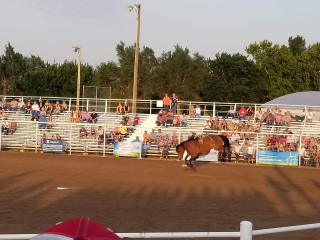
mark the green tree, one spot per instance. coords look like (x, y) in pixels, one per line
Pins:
(12, 67)
(297, 45)
(233, 78)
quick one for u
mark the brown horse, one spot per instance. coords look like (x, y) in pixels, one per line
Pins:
(192, 148)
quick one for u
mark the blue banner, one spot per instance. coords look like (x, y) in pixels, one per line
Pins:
(278, 158)
(53, 146)
(127, 149)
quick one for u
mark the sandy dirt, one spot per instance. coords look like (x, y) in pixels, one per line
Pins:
(145, 195)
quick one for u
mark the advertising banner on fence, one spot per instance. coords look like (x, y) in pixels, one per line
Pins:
(211, 156)
(124, 149)
(278, 158)
(53, 146)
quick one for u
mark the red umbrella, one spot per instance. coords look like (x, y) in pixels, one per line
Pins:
(77, 229)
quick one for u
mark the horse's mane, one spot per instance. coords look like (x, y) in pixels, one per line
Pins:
(192, 138)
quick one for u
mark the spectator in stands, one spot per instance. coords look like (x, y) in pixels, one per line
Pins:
(136, 139)
(49, 108)
(242, 114)
(166, 102)
(286, 119)
(93, 133)
(291, 147)
(50, 122)
(309, 115)
(175, 139)
(153, 136)
(244, 150)
(58, 137)
(302, 153)
(270, 119)
(119, 109)
(64, 107)
(235, 137)
(136, 120)
(231, 113)
(207, 125)
(146, 136)
(73, 116)
(41, 105)
(83, 133)
(161, 119)
(165, 149)
(197, 111)
(174, 103)
(53, 137)
(3, 104)
(93, 117)
(43, 138)
(170, 117)
(13, 105)
(5, 127)
(130, 124)
(236, 150)
(250, 153)
(126, 108)
(43, 112)
(43, 122)
(85, 116)
(184, 120)
(216, 123)
(13, 126)
(224, 124)
(57, 108)
(250, 113)
(35, 111)
(176, 121)
(29, 106)
(100, 134)
(300, 116)
(110, 138)
(144, 148)
(259, 116)
(78, 116)
(3, 115)
(191, 111)
(278, 119)
(21, 105)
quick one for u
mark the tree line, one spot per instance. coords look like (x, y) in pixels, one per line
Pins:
(266, 72)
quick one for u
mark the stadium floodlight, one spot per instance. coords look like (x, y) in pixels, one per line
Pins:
(78, 49)
(134, 7)
(137, 8)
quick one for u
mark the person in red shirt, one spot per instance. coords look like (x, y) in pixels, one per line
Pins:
(136, 120)
(242, 113)
(166, 102)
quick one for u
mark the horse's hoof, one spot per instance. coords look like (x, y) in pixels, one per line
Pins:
(184, 165)
(191, 166)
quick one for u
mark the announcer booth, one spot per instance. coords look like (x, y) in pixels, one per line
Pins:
(53, 146)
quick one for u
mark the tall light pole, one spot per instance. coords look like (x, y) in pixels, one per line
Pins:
(136, 7)
(78, 49)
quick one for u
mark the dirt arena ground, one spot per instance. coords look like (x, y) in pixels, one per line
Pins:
(145, 195)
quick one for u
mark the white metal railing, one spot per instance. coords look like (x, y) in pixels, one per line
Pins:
(151, 106)
(245, 233)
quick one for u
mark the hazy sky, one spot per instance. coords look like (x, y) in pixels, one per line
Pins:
(49, 28)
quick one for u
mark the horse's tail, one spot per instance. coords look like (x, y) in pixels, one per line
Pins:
(226, 148)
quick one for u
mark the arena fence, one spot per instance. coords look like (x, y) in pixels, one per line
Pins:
(153, 106)
(245, 233)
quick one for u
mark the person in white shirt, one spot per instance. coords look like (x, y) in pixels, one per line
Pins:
(309, 115)
(198, 111)
(302, 152)
(236, 150)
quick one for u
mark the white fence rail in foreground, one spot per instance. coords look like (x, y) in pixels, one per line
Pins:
(245, 233)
